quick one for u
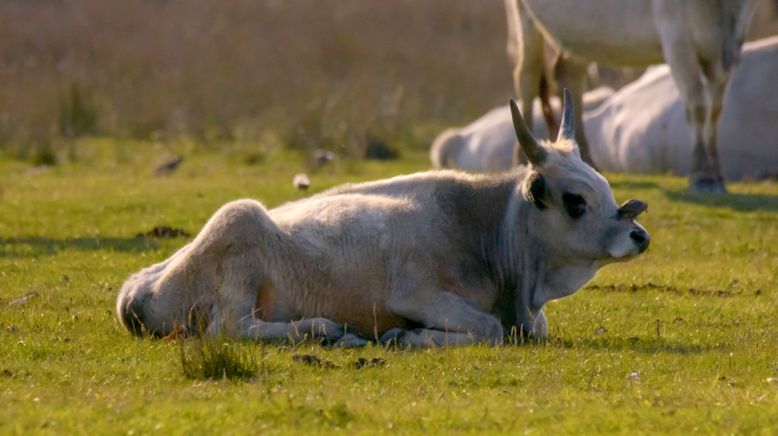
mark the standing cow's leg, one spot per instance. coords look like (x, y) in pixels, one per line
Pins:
(705, 173)
(571, 74)
(448, 319)
(716, 87)
(529, 67)
(680, 54)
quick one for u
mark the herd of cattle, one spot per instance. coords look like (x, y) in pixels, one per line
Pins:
(699, 39)
(641, 128)
(447, 257)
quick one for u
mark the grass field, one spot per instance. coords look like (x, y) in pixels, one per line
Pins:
(683, 339)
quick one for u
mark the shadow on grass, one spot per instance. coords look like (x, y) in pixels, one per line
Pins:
(637, 184)
(734, 201)
(634, 287)
(645, 345)
(42, 246)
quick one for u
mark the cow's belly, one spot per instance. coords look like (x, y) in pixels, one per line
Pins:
(339, 267)
(610, 32)
(351, 290)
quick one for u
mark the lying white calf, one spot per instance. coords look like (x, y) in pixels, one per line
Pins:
(488, 143)
(428, 259)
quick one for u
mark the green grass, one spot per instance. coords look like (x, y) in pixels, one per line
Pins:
(682, 340)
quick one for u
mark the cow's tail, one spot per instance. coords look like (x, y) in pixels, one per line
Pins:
(445, 149)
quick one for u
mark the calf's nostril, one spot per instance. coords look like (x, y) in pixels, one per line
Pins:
(638, 236)
(641, 239)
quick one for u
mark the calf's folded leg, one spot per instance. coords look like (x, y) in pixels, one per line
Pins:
(448, 320)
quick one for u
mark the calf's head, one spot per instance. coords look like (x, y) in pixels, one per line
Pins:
(576, 216)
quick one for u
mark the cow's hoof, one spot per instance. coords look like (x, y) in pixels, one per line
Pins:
(707, 185)
(392, 336)
(350, 340)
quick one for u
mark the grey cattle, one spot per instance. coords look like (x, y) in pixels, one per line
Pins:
(699, 39)
(641, 128)
(432, 258)
(485, 145)
(764, 22)
(489, 143)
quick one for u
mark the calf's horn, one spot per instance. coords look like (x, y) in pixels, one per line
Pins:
(567, 127)
(527, 142)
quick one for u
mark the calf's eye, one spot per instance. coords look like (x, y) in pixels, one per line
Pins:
(574, 204)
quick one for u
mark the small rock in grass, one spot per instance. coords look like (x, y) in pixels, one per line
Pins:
(38, 169)
(365, 363)
(323, 157)
(25, 299)
(301, 181)
(168, 167)
(310, 359)
(377, 149)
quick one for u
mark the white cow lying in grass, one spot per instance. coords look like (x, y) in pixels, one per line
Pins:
(488, 144)
(642, 129)
(432, 258)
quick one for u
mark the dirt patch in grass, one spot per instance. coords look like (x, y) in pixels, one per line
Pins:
(164, 232)
(721, 293)
(360, 363)
(312, 360)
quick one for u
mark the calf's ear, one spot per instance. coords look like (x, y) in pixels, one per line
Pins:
(631, 209)
(536, 191)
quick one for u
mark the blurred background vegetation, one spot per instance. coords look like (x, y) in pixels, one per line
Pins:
(342, 75)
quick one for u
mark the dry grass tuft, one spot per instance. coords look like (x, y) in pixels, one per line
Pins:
(217, 358)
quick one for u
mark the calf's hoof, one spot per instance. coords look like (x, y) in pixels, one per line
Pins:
(350, 340)
(326, 331)
(391, 337)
